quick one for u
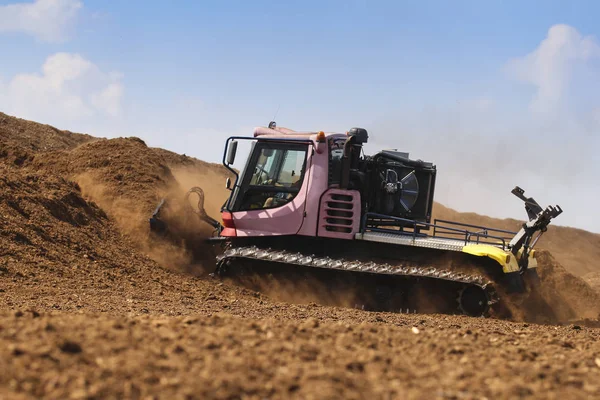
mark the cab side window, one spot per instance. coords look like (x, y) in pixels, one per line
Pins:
(291, 171)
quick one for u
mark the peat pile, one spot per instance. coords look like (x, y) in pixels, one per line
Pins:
(54, 243)
(44, 219)
(569, 296)
(61, 252)
(128, 179)
(21, 139)
(57, 241)
(36, 137)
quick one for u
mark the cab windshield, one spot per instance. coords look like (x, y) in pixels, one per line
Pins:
(273, 176)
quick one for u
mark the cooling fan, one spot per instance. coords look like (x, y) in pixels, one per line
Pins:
(409, 190)
(406, 189)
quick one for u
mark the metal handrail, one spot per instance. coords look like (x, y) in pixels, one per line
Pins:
(435, 221)
(415, 225)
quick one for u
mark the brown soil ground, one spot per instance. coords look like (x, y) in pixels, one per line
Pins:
(93, 306)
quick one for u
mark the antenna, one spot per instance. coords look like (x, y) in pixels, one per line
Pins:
(276, 112)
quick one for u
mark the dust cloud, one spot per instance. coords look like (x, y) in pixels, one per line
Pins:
(213, 185)
(182, 247)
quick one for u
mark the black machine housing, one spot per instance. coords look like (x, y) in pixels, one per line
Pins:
(390, 182)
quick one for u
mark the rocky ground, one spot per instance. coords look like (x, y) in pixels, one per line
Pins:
(93, 306)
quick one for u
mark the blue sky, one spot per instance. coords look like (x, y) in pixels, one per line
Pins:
(497, 93)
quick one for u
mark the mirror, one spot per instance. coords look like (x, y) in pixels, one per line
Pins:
(231, 152)
(228, 183)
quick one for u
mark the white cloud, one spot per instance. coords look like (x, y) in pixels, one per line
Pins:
(552, 65)
(69, 88)
(46, 20)
(109, 99)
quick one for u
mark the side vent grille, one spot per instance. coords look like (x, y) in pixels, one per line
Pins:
(340, 213)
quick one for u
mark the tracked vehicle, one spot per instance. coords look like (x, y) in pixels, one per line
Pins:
(311, 207)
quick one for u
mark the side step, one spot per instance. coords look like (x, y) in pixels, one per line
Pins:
(410, 240)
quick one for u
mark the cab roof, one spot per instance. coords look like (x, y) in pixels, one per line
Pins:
(281, 132)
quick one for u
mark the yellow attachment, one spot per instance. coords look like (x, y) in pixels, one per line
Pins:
(532, 260)
(321, 137)
(504, 258)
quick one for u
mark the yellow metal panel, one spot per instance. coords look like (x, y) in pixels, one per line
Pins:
(502, 257)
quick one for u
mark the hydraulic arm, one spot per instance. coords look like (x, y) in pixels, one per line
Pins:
(539, 219)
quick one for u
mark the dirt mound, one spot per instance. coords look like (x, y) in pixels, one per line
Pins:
(56, 248)
(122, 169)
(128, 179)
(61, 251)
(20, 139)
(552, 296)
(125, 170)
(42, 214)
(45, 219)
(568, 296)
